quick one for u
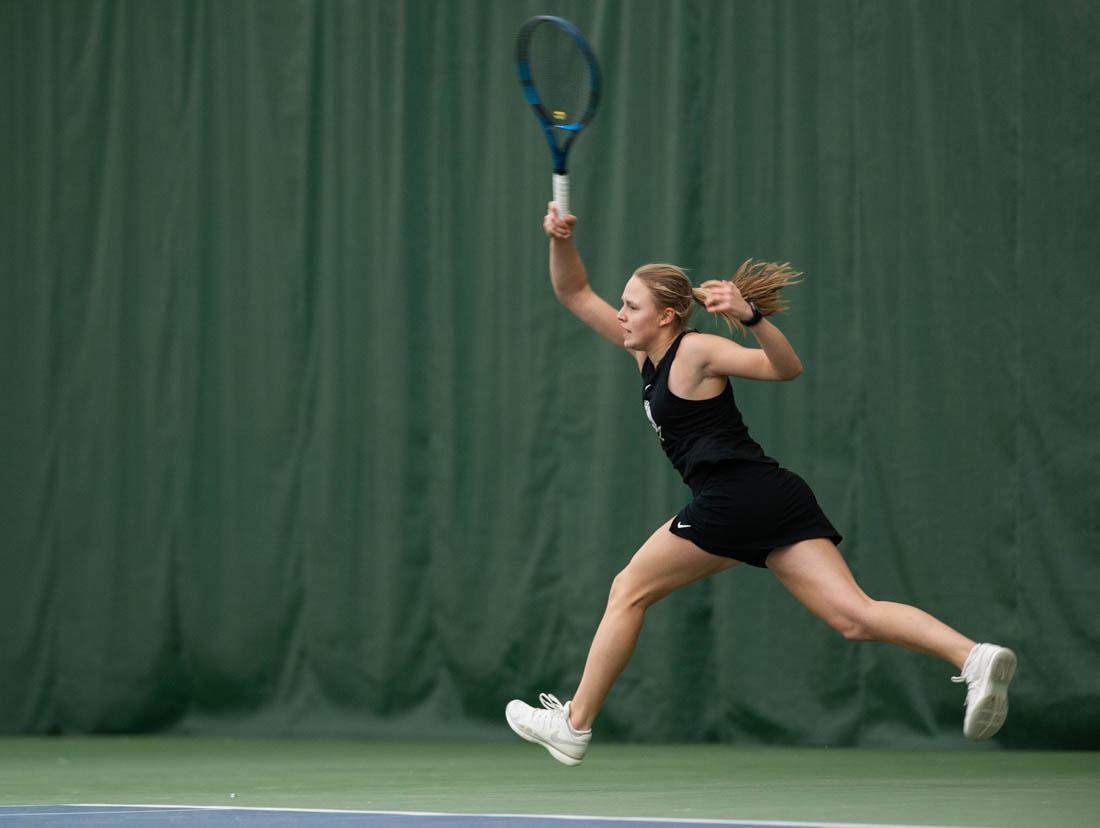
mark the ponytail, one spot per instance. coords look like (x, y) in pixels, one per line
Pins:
(760, 284)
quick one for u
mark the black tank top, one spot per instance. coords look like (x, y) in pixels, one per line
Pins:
(695, 434)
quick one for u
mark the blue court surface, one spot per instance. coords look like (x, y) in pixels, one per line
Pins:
(89, 815)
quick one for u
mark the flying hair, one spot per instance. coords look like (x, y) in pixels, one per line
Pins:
(759, 283)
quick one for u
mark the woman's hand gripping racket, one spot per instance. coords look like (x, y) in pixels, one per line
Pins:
(561, 81)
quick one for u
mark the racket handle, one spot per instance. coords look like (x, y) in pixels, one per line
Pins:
(561, 194)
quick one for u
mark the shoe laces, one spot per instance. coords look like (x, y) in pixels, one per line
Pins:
(969, 687)
(553, 712)
(550, 702)
(971, 680)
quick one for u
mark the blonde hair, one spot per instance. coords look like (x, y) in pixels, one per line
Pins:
(759, 283)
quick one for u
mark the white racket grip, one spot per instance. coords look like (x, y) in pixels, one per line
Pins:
(561, 194)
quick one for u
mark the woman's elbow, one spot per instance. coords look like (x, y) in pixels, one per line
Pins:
(794, 372)
(567, 296)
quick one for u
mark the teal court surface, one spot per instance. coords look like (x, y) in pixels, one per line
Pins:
(48, 781)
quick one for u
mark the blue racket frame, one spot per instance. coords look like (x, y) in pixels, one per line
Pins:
(551, 129)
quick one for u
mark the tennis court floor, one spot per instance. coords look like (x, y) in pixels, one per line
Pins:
(215, 817)
(253, 782)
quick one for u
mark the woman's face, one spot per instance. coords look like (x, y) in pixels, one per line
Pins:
(641, 321)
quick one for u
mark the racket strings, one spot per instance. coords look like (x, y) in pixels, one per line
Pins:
(559, 72)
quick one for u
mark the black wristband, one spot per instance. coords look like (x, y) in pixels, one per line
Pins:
(756, 316)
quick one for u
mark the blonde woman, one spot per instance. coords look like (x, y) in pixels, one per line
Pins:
(745, 507)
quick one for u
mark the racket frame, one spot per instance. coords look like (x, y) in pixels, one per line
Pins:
(551, 129)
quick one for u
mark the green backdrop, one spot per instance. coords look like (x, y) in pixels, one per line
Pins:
(296, 439)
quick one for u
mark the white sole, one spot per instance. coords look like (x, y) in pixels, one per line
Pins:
(557, 754)
(989, 712)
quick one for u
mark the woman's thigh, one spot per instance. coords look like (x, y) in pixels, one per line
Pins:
(817, 575)
(663, 564)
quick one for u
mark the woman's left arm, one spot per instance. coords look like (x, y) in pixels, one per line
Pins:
(774, 360)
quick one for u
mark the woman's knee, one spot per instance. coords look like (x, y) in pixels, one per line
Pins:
(630, 592)
(856, 622)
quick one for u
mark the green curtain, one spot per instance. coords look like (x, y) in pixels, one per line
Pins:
(297, 440)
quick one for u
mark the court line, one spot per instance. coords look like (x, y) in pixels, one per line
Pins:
(747, 823)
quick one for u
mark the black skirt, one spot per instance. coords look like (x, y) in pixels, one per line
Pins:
(744, 510)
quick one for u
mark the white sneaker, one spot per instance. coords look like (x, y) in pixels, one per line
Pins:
(987, 672)
(549, 727)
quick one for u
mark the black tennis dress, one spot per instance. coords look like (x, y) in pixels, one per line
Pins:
(744, 503)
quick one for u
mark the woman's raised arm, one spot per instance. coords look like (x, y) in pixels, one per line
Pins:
(570, 280)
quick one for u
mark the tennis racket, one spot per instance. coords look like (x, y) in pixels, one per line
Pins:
(561, 80)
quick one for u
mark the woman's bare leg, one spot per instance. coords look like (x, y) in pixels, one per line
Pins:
(663, 564)
(817, 575)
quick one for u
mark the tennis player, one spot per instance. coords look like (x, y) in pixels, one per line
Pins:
(745, 508)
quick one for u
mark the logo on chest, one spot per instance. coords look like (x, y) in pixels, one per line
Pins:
(652, 422)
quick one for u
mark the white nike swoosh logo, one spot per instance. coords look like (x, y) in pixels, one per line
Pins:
(647, 387)
(682, 525)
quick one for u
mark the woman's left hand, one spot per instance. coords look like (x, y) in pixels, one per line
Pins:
(724, 297)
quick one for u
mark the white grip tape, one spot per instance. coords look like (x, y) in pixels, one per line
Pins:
(561, 194)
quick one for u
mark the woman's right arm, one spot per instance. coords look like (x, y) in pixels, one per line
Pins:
(570, 280)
